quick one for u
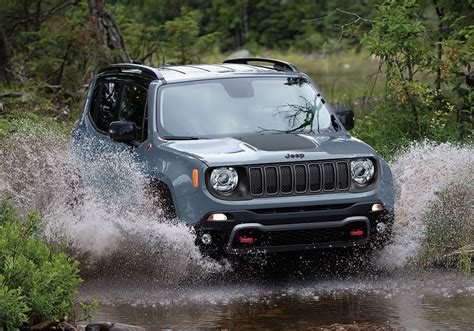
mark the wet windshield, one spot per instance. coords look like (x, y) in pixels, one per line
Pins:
(237, 106)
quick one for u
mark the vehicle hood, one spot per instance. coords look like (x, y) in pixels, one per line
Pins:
(272, 148)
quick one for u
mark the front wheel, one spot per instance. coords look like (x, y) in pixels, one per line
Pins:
(161, 198)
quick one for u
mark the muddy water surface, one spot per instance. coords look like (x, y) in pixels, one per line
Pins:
(420, 301)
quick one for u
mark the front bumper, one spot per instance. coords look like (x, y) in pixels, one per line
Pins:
(296, 228)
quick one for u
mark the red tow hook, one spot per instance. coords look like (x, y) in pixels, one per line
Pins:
(357, 233)
(246, 240)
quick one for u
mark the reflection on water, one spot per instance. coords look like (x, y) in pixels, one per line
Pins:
(416, 301)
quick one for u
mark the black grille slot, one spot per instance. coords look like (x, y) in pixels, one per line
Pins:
(329, 176)
(343, 179)
(286, 179)
(271, 180)
(256, 181)
(314, 177)
(298, 237)
(336, 235)
(300, 178)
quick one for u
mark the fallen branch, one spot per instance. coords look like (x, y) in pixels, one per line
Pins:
(11, 95)
(452, 259)
(468, 249)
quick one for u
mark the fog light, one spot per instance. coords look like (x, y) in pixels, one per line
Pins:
(246, 240)
(357, 233)
(217, 217)
(381, 228)
(377, 207)
(206, 239)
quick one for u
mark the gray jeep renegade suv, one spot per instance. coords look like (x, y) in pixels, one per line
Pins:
(247, 152)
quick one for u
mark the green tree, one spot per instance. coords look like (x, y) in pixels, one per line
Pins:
(455, 56)
(183, 43)
(411, 53)
(397, 39)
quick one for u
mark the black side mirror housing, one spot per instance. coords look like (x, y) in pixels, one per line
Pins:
(347, 118)
(122, 131)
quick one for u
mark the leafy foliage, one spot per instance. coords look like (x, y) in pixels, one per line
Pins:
(36, 284)
(88, 310)
(13, 309)
(183, 45)
(387, 128)
(399, 39)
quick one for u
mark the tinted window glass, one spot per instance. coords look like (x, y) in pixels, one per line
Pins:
(132, 106)
(237, 106)
(105, 103)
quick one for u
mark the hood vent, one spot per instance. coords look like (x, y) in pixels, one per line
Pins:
(278, 142)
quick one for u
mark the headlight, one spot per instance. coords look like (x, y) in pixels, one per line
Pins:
(362, 171)
(224, 180)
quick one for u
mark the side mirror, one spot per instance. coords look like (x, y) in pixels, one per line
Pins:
(346, 116)
(122, 131)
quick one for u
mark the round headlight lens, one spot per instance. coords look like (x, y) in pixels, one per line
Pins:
(362, 171)
(224, 180)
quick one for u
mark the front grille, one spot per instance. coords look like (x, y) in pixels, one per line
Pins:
(299, 178)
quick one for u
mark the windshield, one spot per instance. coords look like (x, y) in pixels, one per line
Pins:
(239, 106)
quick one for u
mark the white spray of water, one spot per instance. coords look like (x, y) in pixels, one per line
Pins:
(421, 172)
(99, 209)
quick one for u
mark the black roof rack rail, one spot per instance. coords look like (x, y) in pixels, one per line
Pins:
(130, 67)
(277, 64)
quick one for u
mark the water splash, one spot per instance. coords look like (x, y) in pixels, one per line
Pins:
(111, 230)
(420, 173)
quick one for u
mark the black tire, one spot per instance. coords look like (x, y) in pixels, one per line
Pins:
(161, 198)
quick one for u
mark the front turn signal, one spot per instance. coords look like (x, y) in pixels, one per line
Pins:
(195, 178)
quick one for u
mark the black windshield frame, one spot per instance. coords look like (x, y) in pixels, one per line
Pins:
(334, 127)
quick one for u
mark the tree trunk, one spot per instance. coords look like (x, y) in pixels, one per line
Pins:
(440, 15)
(3, 58)
(38, 15)
(63, 65)
(108, 32)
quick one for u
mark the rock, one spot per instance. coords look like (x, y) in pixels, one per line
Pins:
(112, 327)
(99, 327)
(126, 327)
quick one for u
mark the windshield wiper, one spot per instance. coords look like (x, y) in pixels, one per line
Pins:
(180, 138)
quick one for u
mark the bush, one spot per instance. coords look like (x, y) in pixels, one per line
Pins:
(36, 284)
(391, 126)
(450, 227)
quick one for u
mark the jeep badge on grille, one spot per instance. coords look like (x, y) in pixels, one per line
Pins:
(294, 156)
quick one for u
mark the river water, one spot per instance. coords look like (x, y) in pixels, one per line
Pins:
(422, 300)
(145, 269)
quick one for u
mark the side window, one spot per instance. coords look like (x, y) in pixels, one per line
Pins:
(132, 107)
(105, 104)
